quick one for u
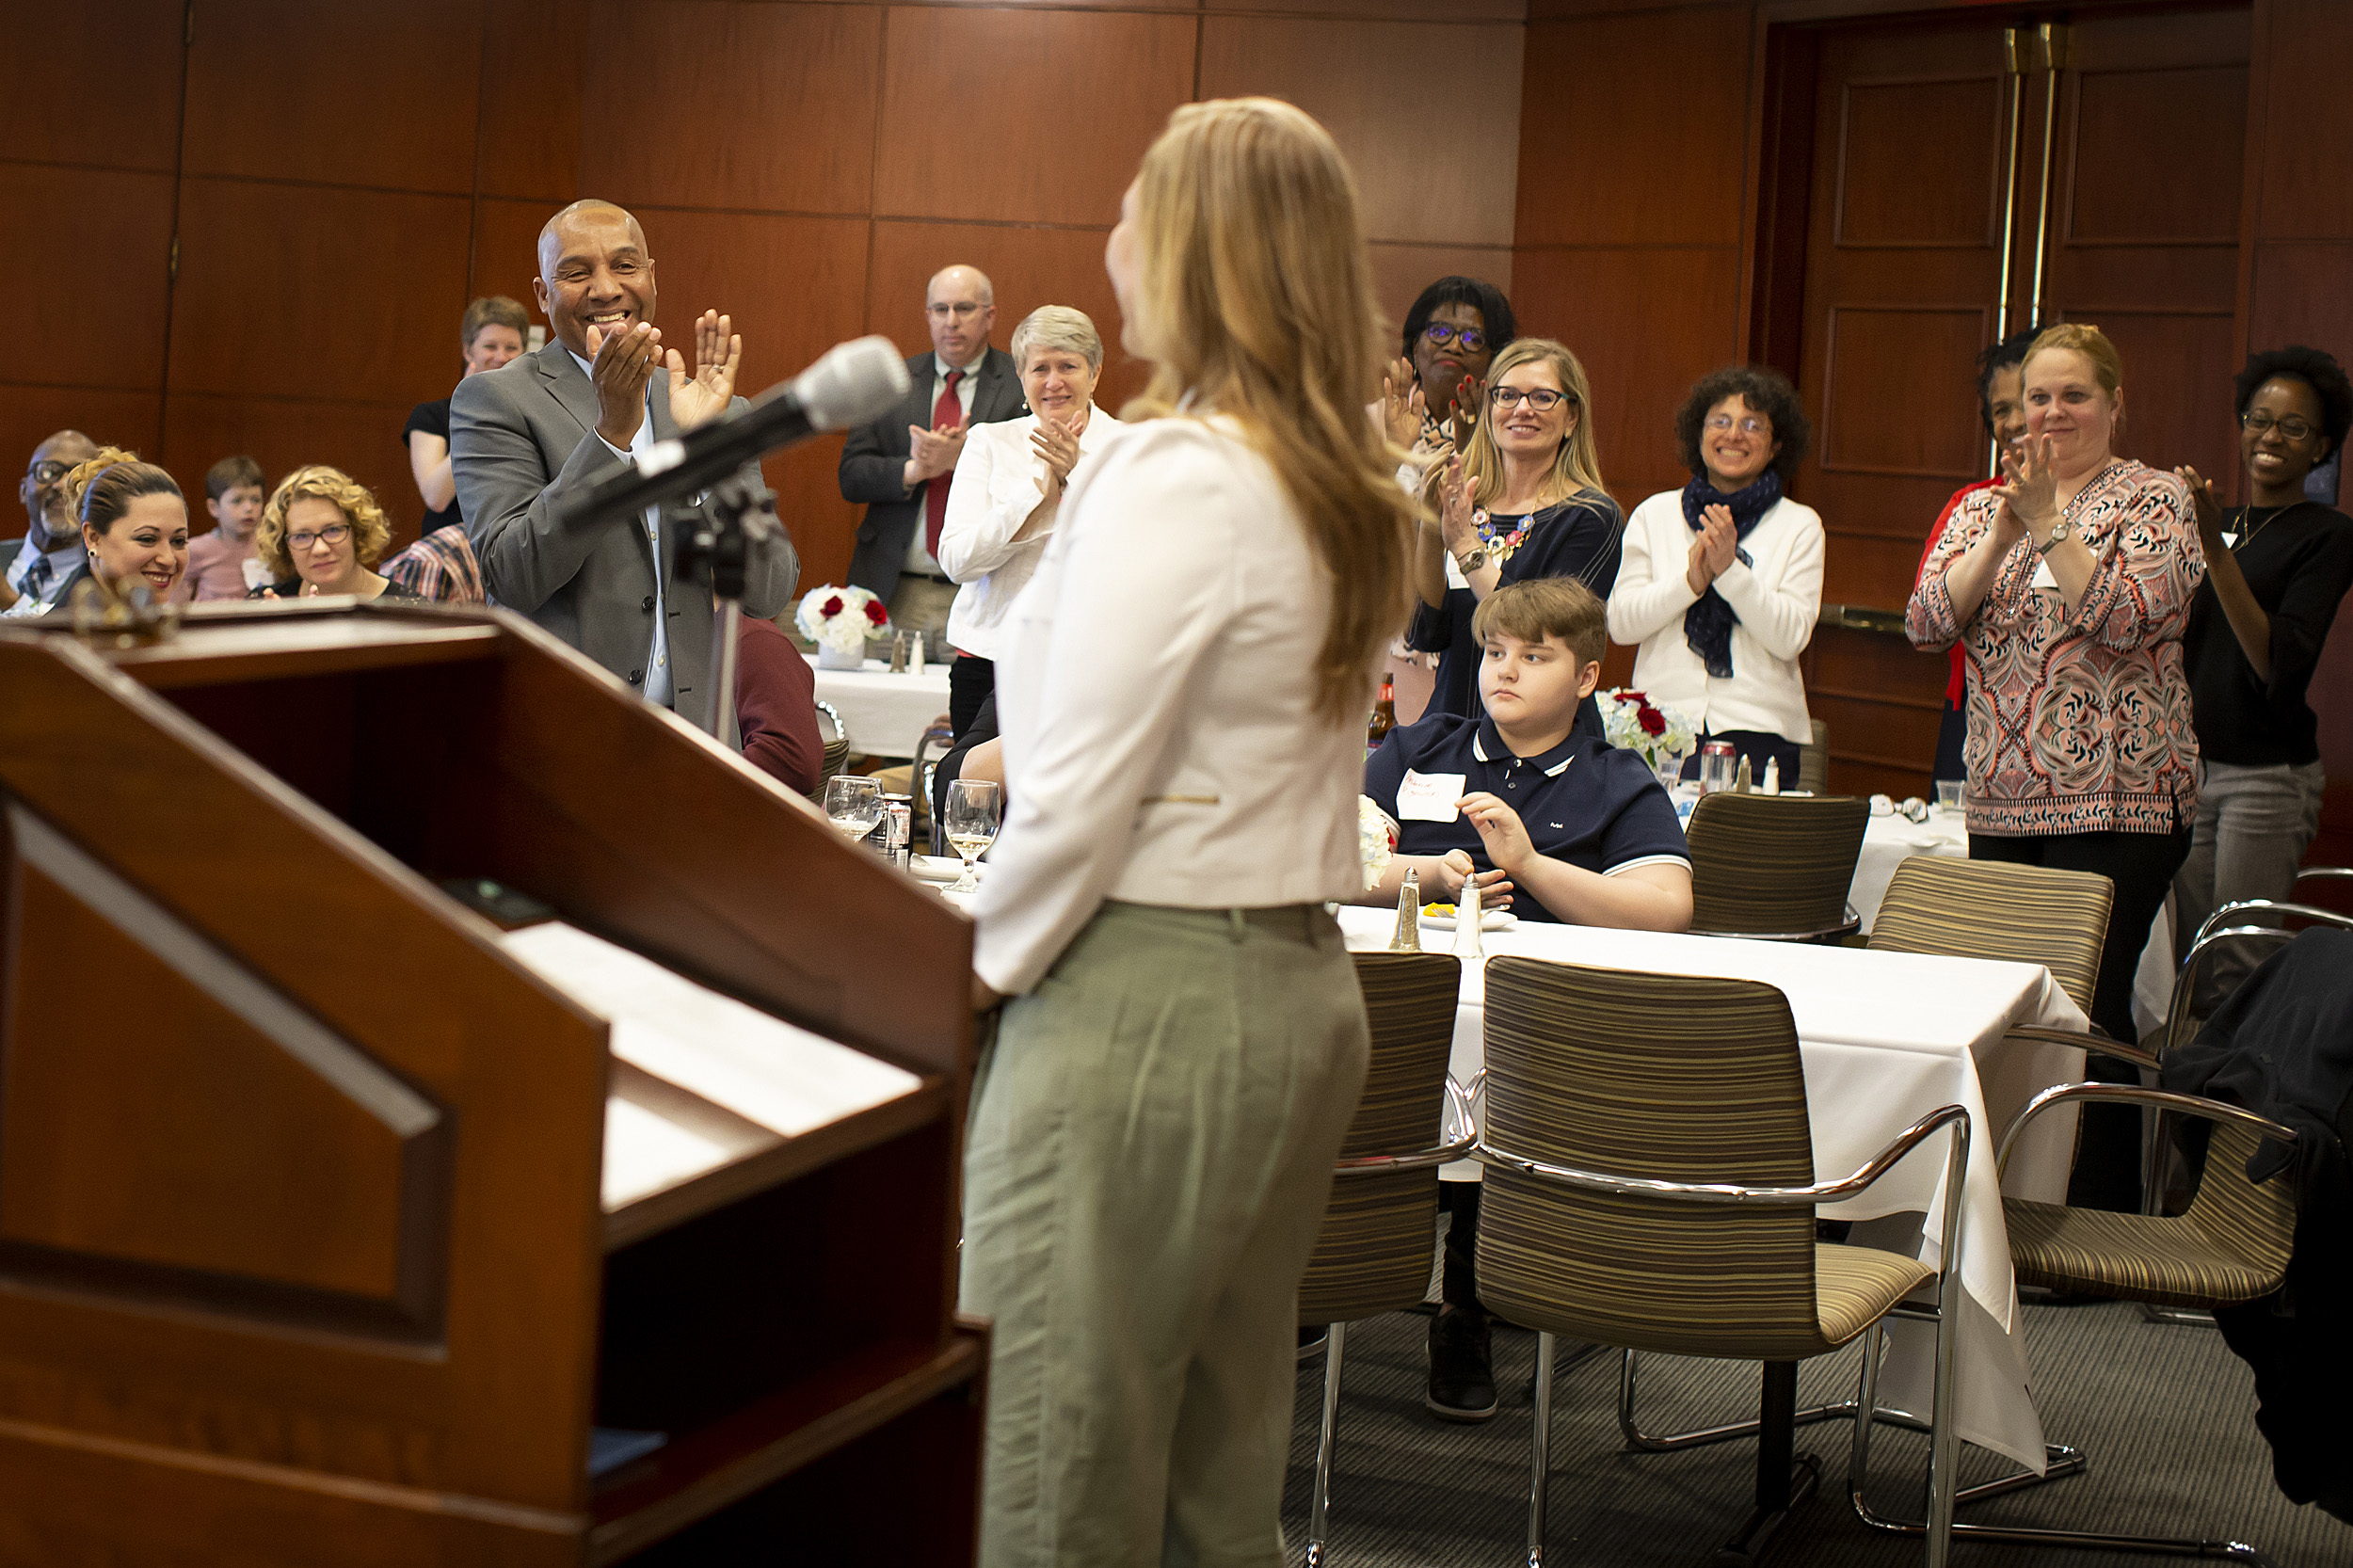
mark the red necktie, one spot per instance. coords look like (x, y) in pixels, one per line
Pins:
(946, 411)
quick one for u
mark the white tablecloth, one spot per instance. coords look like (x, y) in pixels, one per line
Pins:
(1889, 841)
(884, 713)
(1885, 1039)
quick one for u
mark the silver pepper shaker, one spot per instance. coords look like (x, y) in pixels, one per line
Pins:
(1467, 941)
(898, 653)
(1743, 782)
(1408, 937)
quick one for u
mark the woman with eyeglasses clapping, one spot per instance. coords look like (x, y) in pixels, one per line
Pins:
(1524, 500)
(1722, 579)
(2276, 570)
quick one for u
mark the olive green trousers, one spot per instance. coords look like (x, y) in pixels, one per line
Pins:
(1146, 1165)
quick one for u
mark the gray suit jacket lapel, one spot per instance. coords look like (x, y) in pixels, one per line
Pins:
(569, 383)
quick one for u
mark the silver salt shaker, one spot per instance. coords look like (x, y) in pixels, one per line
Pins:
(1408, 937)
(1466, 942)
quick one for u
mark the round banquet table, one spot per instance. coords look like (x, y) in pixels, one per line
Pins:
(1885, 1038)
(884, 714)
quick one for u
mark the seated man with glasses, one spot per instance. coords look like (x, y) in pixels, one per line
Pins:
(38, 567)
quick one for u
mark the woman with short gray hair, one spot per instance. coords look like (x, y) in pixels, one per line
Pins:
(1009, 487)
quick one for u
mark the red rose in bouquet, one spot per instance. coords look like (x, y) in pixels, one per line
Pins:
(874, 611)
(1651, 720)
(831, 608)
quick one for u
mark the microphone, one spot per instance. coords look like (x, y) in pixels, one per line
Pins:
(853, 382)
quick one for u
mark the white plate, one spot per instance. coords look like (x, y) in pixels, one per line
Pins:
(1489, 919)
(938, 867)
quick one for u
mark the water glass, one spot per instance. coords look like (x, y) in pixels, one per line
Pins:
(854, 804)
(1948, 794)
(973, 812)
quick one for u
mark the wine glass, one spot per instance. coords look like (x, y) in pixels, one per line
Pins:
(973, 804)
(854, 804)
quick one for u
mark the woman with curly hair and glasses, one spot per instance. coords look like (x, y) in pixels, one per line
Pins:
(320, 534)
(2276, 568)
(1722, 579)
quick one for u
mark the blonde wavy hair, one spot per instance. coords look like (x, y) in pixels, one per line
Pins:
(1255, 299)
(1575, 467)
(370, 532)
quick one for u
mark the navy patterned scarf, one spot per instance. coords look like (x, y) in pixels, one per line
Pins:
(1707, 625)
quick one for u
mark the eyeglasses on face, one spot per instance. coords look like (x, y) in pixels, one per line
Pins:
(334, 533)
(2261, 424)
(961, 309)
(1751, 425)
(1438, 334)
(49, 471)
(1542, 399)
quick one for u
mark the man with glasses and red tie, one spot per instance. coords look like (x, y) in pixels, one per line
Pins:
(901, 466)
(39, 567)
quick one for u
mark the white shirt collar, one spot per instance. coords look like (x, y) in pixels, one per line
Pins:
(941, 367)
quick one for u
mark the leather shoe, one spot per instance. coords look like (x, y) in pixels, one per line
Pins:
(1461, 1366)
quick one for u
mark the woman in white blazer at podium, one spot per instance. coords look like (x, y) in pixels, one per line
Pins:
(1009, 488)
(1182, 691)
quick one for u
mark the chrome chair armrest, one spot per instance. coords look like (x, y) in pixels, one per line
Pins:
(2126, 1094)
(1458, 1147)
(2325, 873)
(2092, 1040)
(1727, 1193)
(2285, 908)
(840, 730)
(2177, 1008)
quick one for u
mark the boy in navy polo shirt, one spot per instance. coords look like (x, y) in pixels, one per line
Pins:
(1566, 827)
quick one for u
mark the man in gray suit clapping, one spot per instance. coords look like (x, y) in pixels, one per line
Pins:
(527, 439)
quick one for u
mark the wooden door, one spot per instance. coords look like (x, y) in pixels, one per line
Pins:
(1954, 178)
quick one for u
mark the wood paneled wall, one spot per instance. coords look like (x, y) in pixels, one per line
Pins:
(344, 178)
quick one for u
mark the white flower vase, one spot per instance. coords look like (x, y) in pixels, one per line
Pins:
(830, 657)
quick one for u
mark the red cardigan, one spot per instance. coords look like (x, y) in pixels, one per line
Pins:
(776, 706)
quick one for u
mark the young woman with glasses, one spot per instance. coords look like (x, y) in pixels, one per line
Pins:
(1722, 578)
(2276, 570)
(1523, 500)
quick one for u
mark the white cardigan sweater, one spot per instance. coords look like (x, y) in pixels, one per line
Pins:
(1777, 598)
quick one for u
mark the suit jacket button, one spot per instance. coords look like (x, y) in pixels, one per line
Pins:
(637, 677)
(648, 605)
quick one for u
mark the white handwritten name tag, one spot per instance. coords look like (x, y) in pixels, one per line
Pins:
(1429, 796)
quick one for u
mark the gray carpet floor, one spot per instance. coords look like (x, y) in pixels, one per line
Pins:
(2165, 1411)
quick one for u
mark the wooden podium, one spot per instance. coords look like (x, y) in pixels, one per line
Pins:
(347, 1218)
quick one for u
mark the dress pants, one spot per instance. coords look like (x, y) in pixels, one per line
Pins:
(2141, 866)
(921, 604)
(2249, 836)
(969, 682)
(1147, 1163)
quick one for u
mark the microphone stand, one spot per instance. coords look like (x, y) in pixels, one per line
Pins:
(736, 512)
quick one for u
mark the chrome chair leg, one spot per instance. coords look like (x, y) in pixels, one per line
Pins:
(1669, 1442)
(1539, 1448)
(2187, 1314)
(1319, 1509)
(2064, 1462)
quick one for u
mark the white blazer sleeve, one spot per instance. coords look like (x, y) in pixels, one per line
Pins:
(1779, 610)
(1651, 590)
(986, 504)
(1143, 594)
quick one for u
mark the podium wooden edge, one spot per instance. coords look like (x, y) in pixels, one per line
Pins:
(711, 1469)
(775, 1165)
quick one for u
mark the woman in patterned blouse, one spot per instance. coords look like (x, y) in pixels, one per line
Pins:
(2070, 586)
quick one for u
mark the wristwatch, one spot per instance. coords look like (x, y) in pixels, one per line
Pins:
(1471, 560)
(2061, 534)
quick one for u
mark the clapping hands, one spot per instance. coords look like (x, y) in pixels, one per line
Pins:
(2209, 509)
(1458, 521)
(1469, 398)
(702, 397)
(1713, 548)
(1401, 404)
(2030, 489)
(1056, 447)
(622, 365)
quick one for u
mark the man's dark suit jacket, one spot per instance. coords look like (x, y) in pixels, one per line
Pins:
(875, 457)
(523, 446)
(60, 596)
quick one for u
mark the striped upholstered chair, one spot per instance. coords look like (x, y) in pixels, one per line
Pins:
(1991, 909)
(2232, 1246)
(1776, 867)
(1379, 1236)
(1650, 1185)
